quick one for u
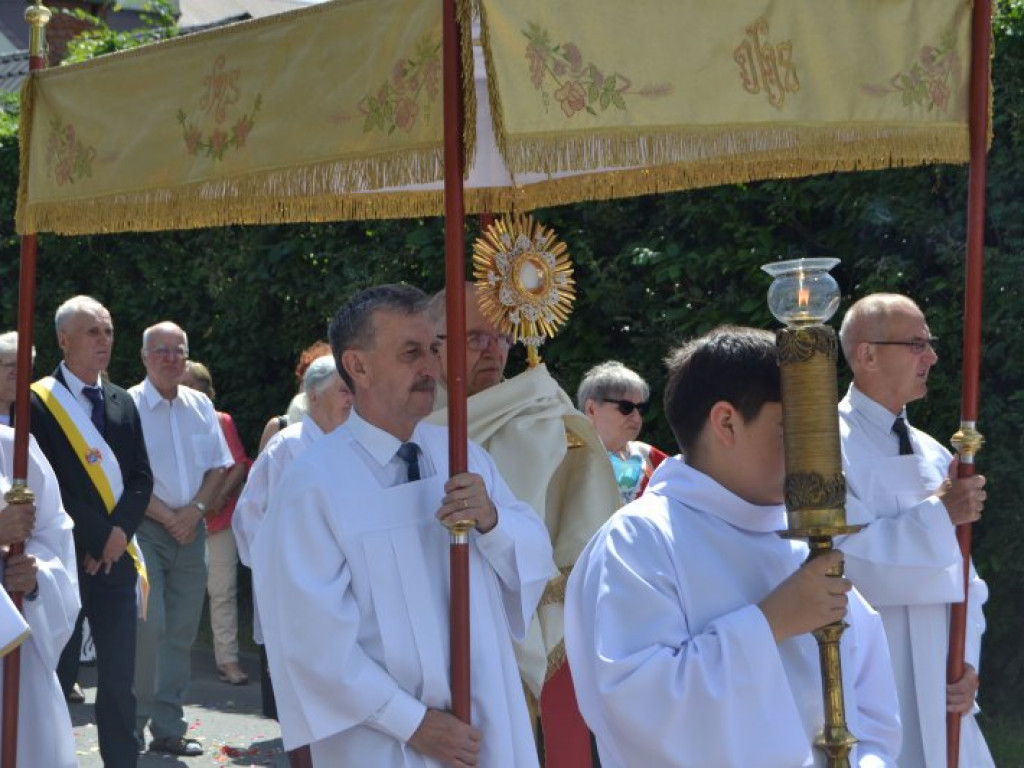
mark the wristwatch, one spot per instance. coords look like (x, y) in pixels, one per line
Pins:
(200, 506)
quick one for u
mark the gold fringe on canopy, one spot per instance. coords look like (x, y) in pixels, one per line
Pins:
(335, 111)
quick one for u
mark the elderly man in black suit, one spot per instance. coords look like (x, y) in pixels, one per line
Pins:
(90, 431)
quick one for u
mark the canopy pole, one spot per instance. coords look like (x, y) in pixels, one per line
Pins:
(454, 237)
(37, 16)
(968, 440)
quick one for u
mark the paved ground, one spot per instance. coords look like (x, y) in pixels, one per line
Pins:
(225, 718)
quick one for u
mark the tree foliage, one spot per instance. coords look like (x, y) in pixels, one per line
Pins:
(651, 272)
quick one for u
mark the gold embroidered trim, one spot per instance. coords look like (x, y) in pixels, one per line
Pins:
(314, 194)
(554, 592)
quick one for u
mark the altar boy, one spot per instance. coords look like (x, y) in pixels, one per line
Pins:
(688, 617)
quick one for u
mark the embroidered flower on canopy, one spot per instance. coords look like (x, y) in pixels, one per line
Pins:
(410, 92)
(212, 131)
(560, 71)
(66, 155)
(930, 81)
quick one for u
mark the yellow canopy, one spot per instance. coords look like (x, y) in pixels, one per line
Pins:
(334, 111)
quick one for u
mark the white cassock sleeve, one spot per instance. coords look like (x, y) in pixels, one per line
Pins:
(657, 694)
(908, 559)
(252, 502)
(53, 611)
(977, 596)
(912, 558)
(518, 548)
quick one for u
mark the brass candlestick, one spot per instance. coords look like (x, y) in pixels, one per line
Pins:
(803, 296)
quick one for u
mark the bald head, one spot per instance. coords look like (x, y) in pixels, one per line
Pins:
(887, 344)
(164, 352)
(869, 318)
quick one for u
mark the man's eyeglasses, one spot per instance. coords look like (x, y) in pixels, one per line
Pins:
(917, 346)
(626, 407)
(478, 341)
(169, 352)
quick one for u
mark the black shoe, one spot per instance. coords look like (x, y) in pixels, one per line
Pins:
(76, 695)
(177, 745)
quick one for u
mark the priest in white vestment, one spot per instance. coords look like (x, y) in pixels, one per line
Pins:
(50, 607)
(352, 568)
(553, 459)
(688, 617)
(907, 561)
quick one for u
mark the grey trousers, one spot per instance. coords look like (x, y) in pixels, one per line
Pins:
(163, 656)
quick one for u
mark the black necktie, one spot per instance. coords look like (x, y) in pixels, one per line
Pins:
(96, 398)
(903, 433)
(409, 453)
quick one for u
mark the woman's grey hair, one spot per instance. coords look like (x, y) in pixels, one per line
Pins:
(610, 379)
(9, 345)
(318, 374)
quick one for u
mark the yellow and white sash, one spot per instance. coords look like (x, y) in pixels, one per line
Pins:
(97, 458)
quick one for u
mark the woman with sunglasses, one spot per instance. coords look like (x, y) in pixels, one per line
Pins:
(615, 399)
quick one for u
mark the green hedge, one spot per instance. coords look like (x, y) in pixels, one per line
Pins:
(651, 272)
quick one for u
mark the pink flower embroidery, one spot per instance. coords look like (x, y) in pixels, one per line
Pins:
(405, 114)
(413, 83)
(572, 97)
(432, 77)
(241, 131)
(218, 142)
(192, 136)
(573, 56)
(64, 170)
(940, 93)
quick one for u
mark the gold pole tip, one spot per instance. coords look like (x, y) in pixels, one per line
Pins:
(38, 15)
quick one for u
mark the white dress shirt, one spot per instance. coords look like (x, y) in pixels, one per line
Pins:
(183, 438)
(379, 451)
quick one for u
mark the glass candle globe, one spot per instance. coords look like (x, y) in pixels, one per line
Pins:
(803, 291)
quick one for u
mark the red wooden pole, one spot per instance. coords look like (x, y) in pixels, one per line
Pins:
(37, 17)
(454, 236)
(979, 128)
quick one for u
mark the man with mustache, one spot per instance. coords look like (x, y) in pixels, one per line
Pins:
(350, 576)
(902, 485)
(552, 457)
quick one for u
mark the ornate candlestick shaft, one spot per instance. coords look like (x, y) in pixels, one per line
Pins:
(803, 296)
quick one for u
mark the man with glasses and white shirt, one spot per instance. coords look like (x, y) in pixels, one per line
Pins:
(552, 459)
(189, 455)
(902, 486)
